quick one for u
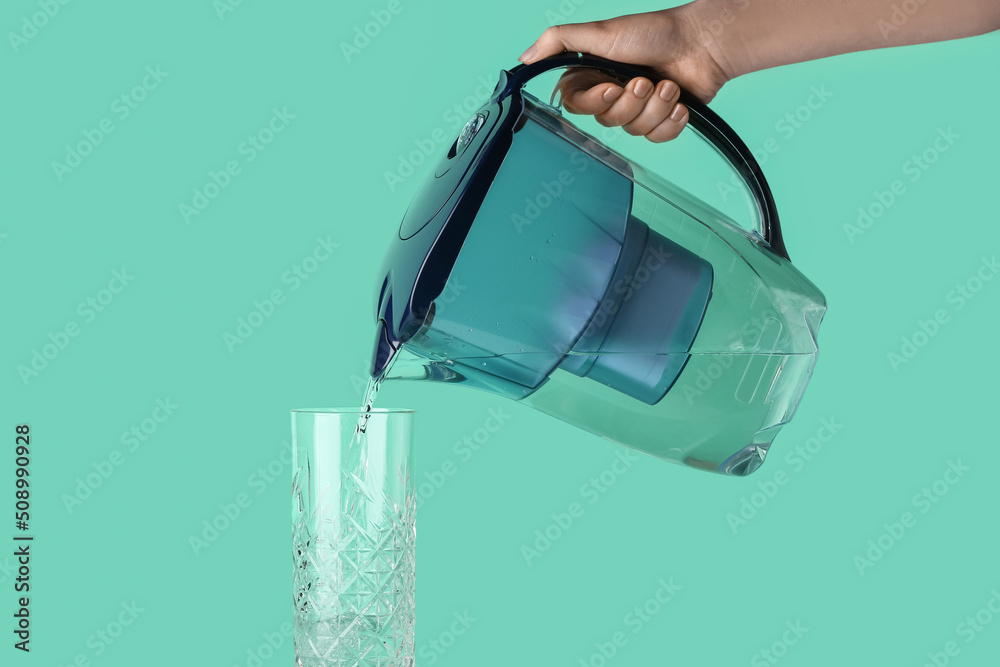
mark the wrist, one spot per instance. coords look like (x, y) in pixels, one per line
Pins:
(716, 28)
(688, 54)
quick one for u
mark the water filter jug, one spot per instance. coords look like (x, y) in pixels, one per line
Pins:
(537, 263)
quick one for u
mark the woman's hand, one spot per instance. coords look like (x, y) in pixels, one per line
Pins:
(670, 41)
(705, 43)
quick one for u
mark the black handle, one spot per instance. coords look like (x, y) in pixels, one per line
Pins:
(705, 121)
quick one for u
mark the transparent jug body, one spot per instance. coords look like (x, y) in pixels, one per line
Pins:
(719, 334)
(746, 370)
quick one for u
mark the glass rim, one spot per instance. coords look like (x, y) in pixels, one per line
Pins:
(353, 411)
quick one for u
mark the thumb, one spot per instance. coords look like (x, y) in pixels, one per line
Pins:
(574, 37)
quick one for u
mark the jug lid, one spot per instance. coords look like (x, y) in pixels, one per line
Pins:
(438, 219)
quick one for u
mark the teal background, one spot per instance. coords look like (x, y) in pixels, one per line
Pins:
(323, 176)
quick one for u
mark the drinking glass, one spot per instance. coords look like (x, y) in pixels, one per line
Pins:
(354, 537)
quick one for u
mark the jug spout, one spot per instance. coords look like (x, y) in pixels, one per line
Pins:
(384, 352)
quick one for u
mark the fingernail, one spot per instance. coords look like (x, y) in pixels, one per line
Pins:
(677, 113)
(612, 93)
(668, 90)
(526, 56)
(641, 87)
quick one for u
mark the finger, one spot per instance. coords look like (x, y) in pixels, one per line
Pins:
(593, 101)
(581, 37)
(629, 104)
(588, 95)
(671, 126)
(657, 109)
(587, 91)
